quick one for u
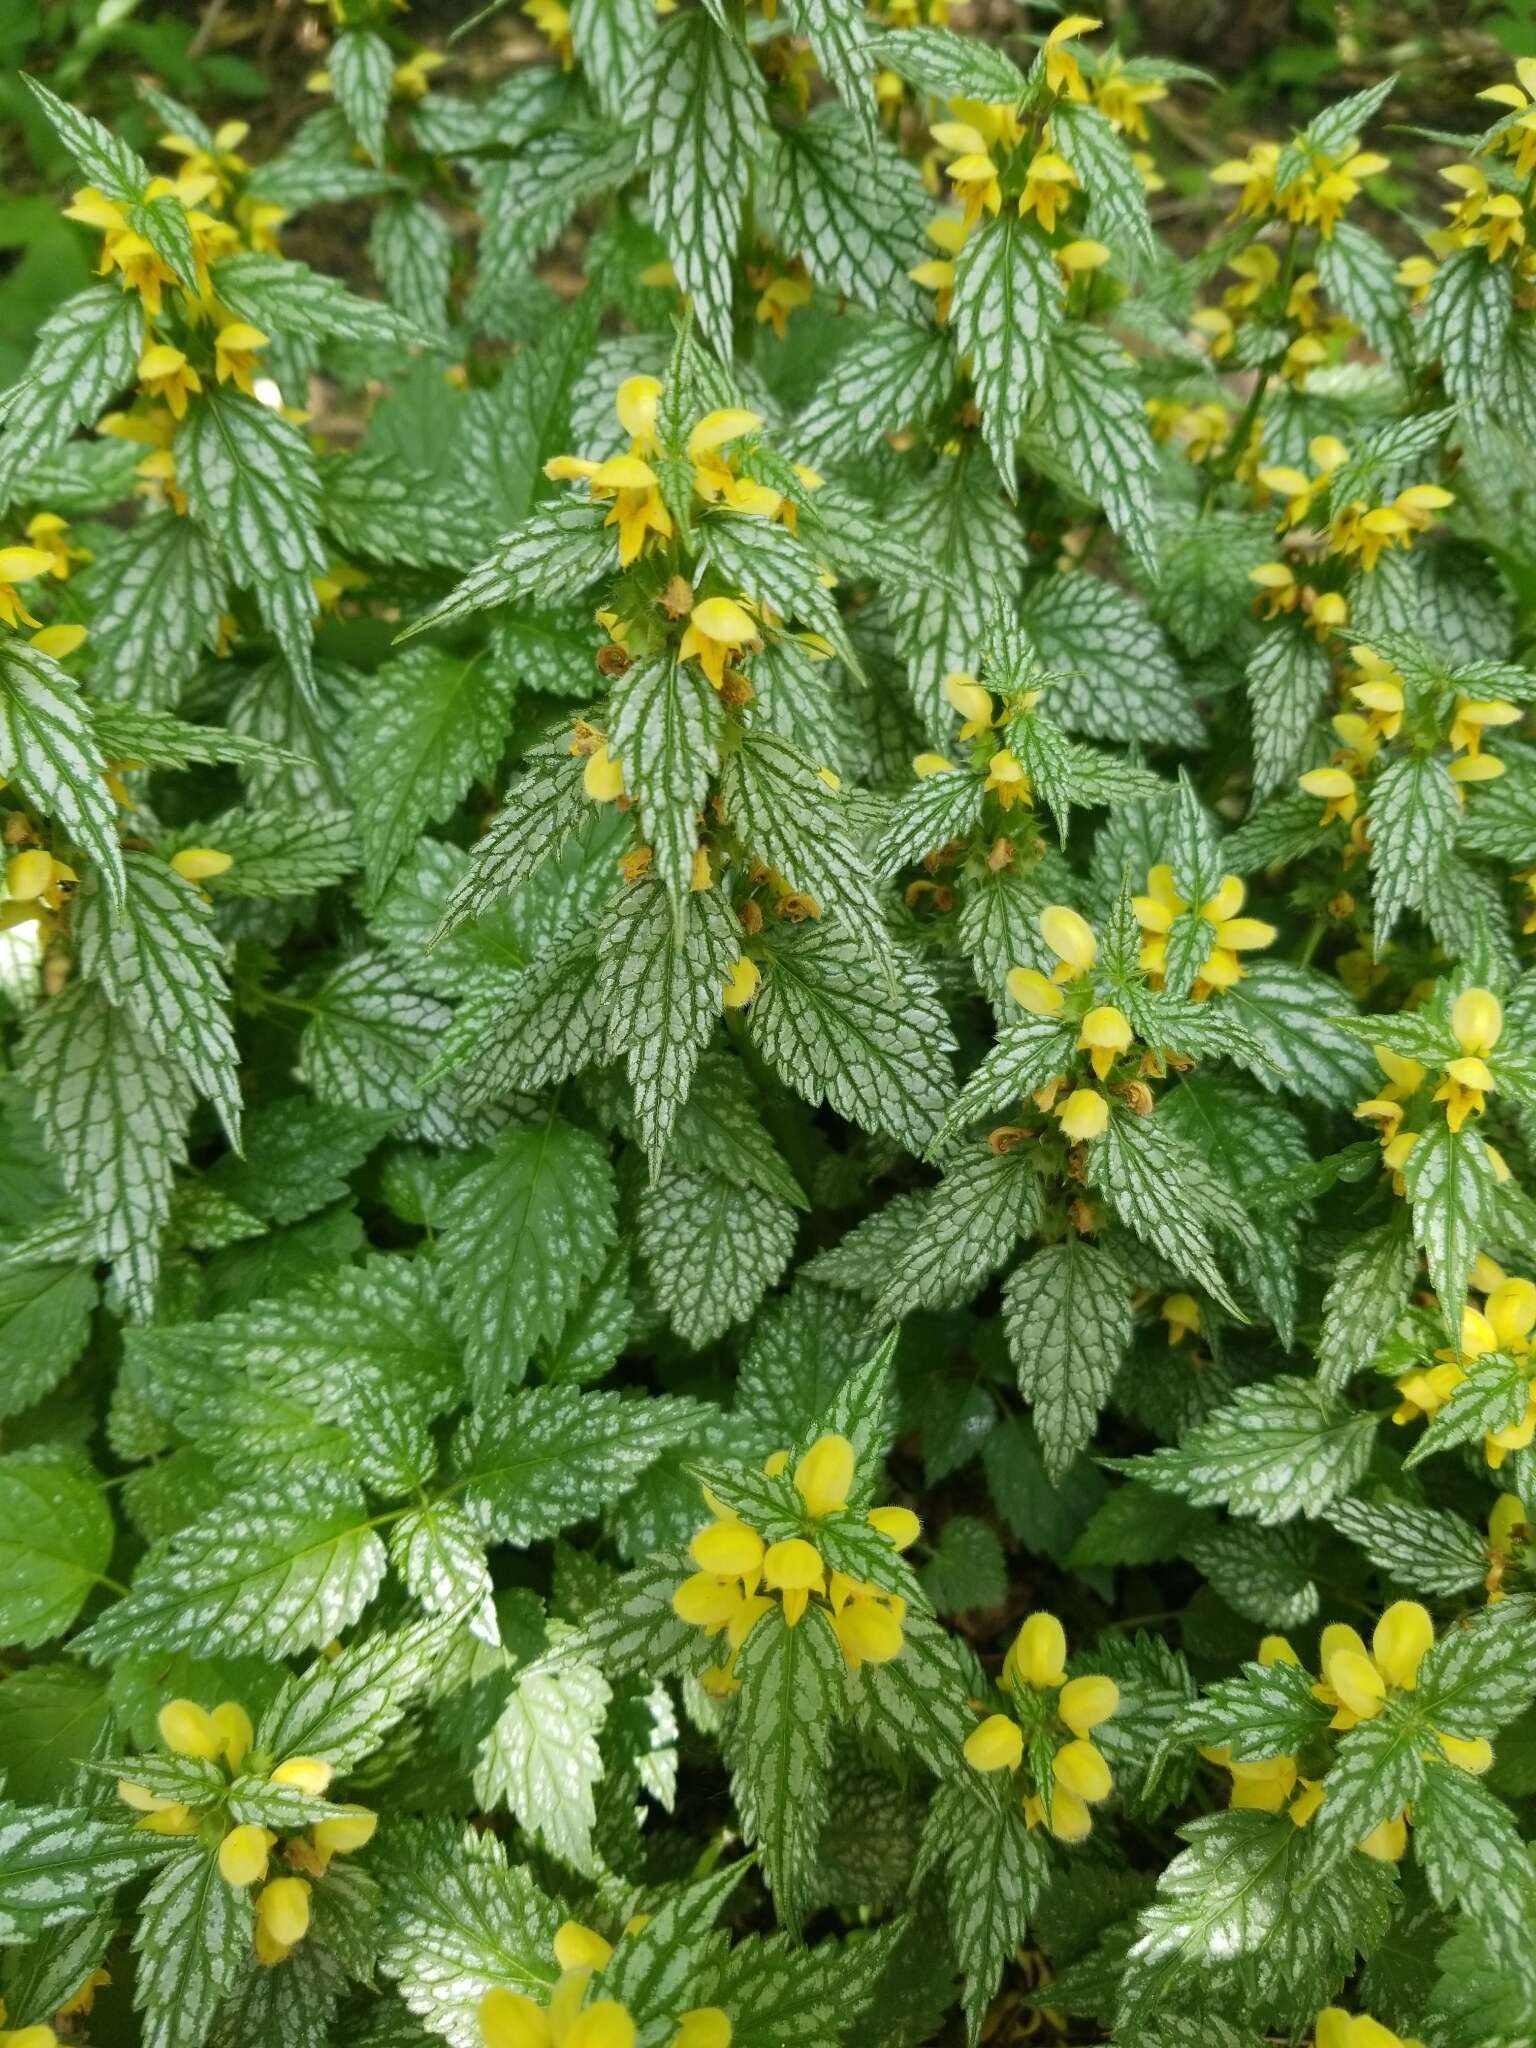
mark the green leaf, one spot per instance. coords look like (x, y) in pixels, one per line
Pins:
(1228, 1904)
(1093, 427)
(1279, 1449)
(441, 1561)
(611, 38)
(1288, 677)
(153, 598)
(1007, 300)
(194, 1933)
(1414, 814)
(790, 1682)
(1426, 1549)
(297, 1157)
(719, 1131)
(105, 161)
(556, 551)
(252, 1574)
(1067, 1312)
(1291, 1013)
(57, 1864)
(1270, 1710)
(342, 1707)
(1149, 1179)
(1359, 275)
(56, 1538)
(950, 66)
(538, 814)
(522, 1235)
(114, 1111)
(1120, 680)
(1376, 1772)
(51, 1715)
(927, 816)
(664, 969)
(967, 1568)
(369, 1041)
(845, 201)
(1474, 1857)
(533, 1463)
(410, 246)
(994, 1873)
(285, 297)
(699, 136)
(1478, 1676)
(970, 1224)
(161, 962)
(541, 1759)
(1025, 1054)
(47, 745)
(362, 68)
(375, 507)
(917, 1704)
(1096, 150)
(45, 1321)
(664, 729)
(713, 1248)
(1466, 318)
(827, 1023)
(428, 725)
(87, 351)
(1451, 1192)
(462, 1923)
(1367, 1294)
(770, 567)
(889, 376)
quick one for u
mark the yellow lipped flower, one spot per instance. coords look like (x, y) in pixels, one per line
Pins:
(1336, 786)
(824, 1476)
(46, 530)
(719, 629)
(235, 348)
(1006, 779)
(282, 1918)
(1049, 184)
(1477, 1019)
(1080, 1776)
(742, 986)
(1033, 992)
(1084, 1115)
(1336, 2028)
(1071, 938)
(1062, 74)
(1105, 1034)
(553, 21)
(164, 372)
(971, 700)
(21, 565)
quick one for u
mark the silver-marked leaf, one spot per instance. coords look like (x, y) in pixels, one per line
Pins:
(85, 352)
(845, 202)
(1067, 1311)
(362, 68)
(664, 729)
(48, 746)
(1007, 300)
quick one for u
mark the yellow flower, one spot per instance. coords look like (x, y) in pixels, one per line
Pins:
(1337, 788)
(1355, 1681)
(1006, 779)
(973, 703)
(602, 778)
(997, 1744)
(1106, 1032)
(1061, 70)
(1473, 716)
(235, 348)
(1049, 184)
(1084, 1115)
(413, 78)
(553, 21)
(1030, 989)
(282, 1918)
(201, 863)
(20, 565)
(164, 372)
(1038, 1655)
(189, 1730)
(1336, 2028)
(866, 1621)
(1181, 1312)
(926, 765)
(1071, 938)
(1476, 1021)
(718, 629)
(824, 1476)
(46, 530)
(742, 986)
(243, 1855)
(778, 299)
(794, 1568)
(899, 1526)
(305, 1773)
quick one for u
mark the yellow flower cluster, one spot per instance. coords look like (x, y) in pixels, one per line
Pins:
(46, 553)
(1104, 1031)
(1356, 1682)
(981, 141)
(1232, 935)
(1505, 1323)
(510, 2019)
(245, 1852)
(972, 701)
(1380, 692)
(1477, 1022)
(1357, 528)
(1316, 197)
(1481, 218)
(1067, 1710)
(631, 487)
(739, 1575)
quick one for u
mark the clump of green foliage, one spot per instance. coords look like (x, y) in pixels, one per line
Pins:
(769, 1070)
